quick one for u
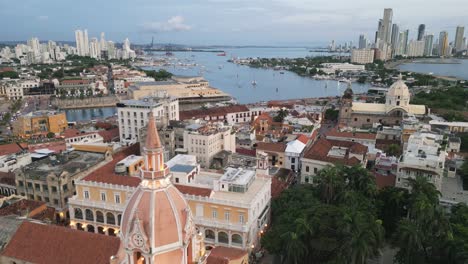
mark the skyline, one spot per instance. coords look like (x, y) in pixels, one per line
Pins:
(238, 22)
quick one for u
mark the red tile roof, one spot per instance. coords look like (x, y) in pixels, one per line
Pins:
(106, 174)
(223, 255)
(303, 139)
(335, 133)
(215, 111)
(56, 146)
(319, 151)
(9, 149)
(247, 152)
(109, 135)
(384, 180)
(7, 178)
(47, 244)
(21, 207)
(193, 190)
(271, 146)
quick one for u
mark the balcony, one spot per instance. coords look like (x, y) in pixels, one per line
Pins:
(220, 224)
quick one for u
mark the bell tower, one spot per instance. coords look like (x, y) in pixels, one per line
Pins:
(346, 107)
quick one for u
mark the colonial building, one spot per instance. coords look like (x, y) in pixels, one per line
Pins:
(326, 152)
(364, 115)
(40, 123)
(157, 224)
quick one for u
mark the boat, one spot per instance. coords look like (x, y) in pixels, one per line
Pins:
(276, 89)
(168, 53)
(222, 54)
(254, 83)
(281, 72)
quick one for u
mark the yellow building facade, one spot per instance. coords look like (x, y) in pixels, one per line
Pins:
(40, 123)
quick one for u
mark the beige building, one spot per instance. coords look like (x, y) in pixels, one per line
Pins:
(364, 115)
(362, 56)
(189, 90)
(40, 123)
(53, 179)
(205, 141)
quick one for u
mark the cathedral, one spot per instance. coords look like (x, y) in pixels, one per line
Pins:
(157, 224)
(364, 115)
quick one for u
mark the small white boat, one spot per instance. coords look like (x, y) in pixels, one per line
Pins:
(254, 83)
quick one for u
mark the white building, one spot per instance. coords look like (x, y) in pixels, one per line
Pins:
(362, 56)
(206, 141)
(330, 68)
(82, 43)
(293, 153)
(422, 157)
(133, 115)
(416, 48)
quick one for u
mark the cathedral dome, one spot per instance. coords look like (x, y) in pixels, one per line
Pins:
(157, 224)
(399, 88)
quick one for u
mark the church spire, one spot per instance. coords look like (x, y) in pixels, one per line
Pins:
(153, 153)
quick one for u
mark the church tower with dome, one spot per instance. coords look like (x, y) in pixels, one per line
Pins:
(354, 114)
(157, 224)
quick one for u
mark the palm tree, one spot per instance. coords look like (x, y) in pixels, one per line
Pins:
(295, 249)
(359, 179)
(330, 183)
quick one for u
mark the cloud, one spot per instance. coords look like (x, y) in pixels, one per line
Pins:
(175, 23)
(42, 18)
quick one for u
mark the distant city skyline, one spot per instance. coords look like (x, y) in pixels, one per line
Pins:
(222, 22)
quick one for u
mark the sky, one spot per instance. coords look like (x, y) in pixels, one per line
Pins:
(223, 22)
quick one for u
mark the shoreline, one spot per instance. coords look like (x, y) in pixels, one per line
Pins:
(393, 65)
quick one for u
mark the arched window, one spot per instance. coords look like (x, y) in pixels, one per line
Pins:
(99, 217)
(236, 238)
(110, 218)
(119, 219)
(91, 228)
(209, 234)
(78, 213)
(89, 215)
(111, 231)
(223, 237)
(100, 229)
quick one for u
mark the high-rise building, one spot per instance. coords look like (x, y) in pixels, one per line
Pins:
(459, 38)
(103, 44)
(421, 30)
(95, 51)
(403, 46)
(416, 48)
(82, 44)
(362, 56)
(387, 25)
(443, 44)
(362, 42)
(395, 41)
(428, 44)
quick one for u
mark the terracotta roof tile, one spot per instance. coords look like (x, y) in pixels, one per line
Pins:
(7, 178)
(109, 135)
(303, 139)
(383, 181)
(335, 133)
(9, 149)
(270, 146)
(21, 207)
(320, 149)
(247, 152)
(47, 244)
(223, 255)
(193, 190)
(106, 174)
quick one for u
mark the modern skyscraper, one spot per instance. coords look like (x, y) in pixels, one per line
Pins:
(403, 46)
(387, 25)
(416, 48)
(428, 44)
(95, 51)
(421, 30)
(82, 44)
(379, 33)
(362, 42)
(395, 41)
(443, 44)
(459, 38)
(103, 43)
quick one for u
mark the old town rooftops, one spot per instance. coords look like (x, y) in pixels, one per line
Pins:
(215, 111)
(72, 162)
(335, 151)
(38, 243)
